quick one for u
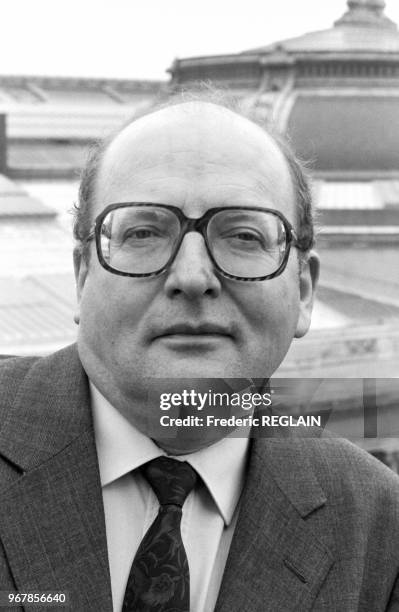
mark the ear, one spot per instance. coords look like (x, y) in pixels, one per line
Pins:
(80, 266)
(308, 277)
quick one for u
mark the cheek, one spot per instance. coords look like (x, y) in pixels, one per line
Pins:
(276, 324)
(112, 308)
(272, 307)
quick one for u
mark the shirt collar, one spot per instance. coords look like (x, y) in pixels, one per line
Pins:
(121, 448)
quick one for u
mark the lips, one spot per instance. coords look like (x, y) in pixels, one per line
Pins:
(187, 329)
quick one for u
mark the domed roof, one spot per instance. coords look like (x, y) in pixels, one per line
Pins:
(346, 120)
(363, 28)
(334, 92)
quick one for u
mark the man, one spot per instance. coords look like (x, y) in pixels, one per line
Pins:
(194, 262)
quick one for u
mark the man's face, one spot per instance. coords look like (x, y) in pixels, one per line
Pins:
(195, 156)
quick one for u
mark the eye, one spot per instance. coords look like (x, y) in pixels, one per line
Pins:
(141, 233)
(246, 236)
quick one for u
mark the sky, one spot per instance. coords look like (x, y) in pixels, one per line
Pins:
(140, 38)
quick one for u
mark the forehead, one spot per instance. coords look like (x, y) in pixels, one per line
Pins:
(196, 156)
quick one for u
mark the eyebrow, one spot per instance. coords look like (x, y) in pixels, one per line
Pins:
(242, 215)
(144, 213)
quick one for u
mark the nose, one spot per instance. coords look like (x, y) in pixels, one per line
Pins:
(192, 272)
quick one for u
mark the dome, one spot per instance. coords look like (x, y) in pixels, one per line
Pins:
(339, 39)
(335, 91)
(363, 28)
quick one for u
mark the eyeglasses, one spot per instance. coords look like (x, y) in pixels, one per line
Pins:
(141, 239)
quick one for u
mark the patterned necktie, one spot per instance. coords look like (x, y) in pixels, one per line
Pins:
(159, 579)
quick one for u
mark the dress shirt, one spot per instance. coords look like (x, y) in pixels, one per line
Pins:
(130, 506)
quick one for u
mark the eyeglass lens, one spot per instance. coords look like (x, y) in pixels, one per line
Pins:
(141, 240)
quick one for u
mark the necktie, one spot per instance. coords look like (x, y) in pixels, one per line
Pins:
(159, 579)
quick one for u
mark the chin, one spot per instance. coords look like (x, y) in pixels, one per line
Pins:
(195, 370)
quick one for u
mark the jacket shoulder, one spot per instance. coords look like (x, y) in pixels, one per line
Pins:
(343, 465)
(44, 405)
(13, 371)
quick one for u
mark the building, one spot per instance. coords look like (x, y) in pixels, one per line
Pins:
(46, 127)
(334, 92)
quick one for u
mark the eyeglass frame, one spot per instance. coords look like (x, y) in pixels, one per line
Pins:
(189, 224)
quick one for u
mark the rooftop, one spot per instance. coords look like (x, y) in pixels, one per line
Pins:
(16, 202)
(363, 28)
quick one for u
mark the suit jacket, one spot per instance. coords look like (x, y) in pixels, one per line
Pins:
(318, 527)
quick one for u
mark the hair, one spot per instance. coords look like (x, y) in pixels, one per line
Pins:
(82, 210)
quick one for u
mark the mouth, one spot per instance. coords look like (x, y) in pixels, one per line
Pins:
(185, 331)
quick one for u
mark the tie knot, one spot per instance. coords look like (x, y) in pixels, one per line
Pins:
(171, 480)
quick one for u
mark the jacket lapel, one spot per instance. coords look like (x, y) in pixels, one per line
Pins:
(52, 524)
(276, 562)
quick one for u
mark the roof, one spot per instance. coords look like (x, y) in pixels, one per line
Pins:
(36, 314)
(52, 107)
(353, 195)
(15, 202)
(369, 273)
(363, 28)
(29, 244)
(26, 157)
(37, 294)
(38, 90)
(336, 40)
(363, 351)
(377, 195)
(69, 121)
